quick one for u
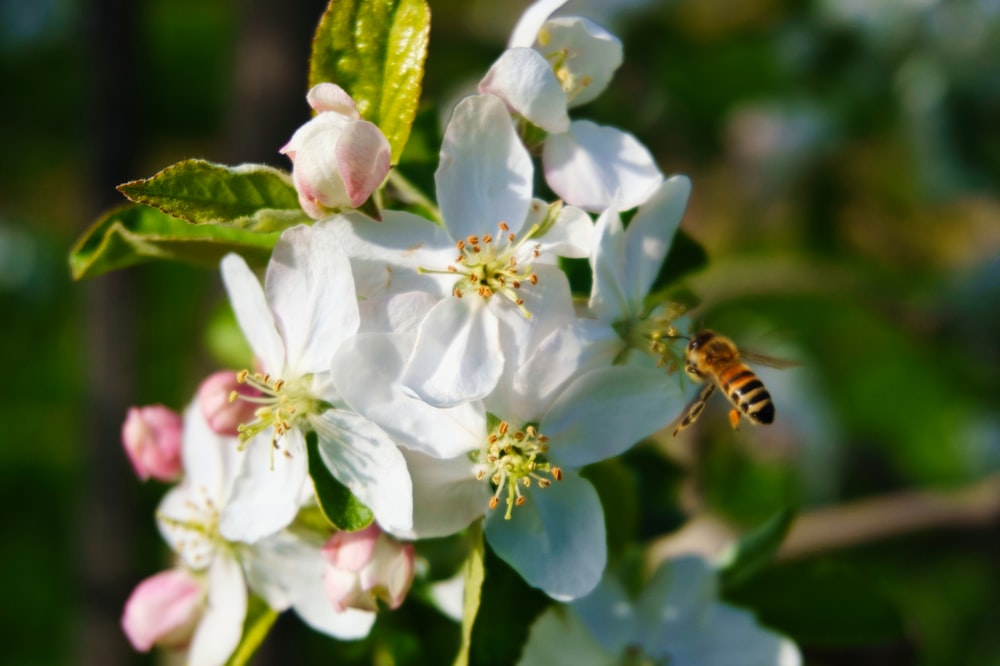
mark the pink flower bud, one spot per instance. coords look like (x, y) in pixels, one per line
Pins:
(152, 439)
(222, 413)
(365, 566)
(164, 610)
(337, 159)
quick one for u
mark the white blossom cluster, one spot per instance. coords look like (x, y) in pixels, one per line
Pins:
(444, 367)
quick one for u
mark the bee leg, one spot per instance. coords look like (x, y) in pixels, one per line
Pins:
(734, 418)
(694, 409)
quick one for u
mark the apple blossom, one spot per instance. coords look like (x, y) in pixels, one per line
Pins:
(285, 569)
(305, 311)
(514, 455)
(677, 619)
(365, 566)
(551, 66)
(151, 436)
(164, 610)
(338, 159)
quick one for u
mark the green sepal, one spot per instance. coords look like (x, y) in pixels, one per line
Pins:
(375, 50)
(132, 235)
(751, 554)
(474, 573)
(339, 505)
(259, 620)
(255, 197)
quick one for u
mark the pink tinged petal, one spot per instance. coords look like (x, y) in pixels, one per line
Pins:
(594, 53)
(607, 411)
(343, 589)
(152, 439)
(650, 233)
(362, 456)
(367, 371)
(556, 539)
(223, 415)
(316, 170)
(608, 299)
(457, 356)
(164, 609)
(446, 494)
(351, 551)
(331, 97)
(221, 626)
(531, 21)
(253, 314)
(266, 494)
(524, 80)
(311, 292)
(363, 156)
(485, 173)
(593, 167)
(398, 575)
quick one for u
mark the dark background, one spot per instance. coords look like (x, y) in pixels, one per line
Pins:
(845, 159)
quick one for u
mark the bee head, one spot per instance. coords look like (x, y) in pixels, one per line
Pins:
(700, 339)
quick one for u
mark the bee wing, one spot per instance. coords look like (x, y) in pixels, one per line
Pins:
(769, 361)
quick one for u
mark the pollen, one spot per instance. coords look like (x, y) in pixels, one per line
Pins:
(513, 460)
(281, 406)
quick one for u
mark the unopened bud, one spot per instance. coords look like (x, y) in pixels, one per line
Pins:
(365, 566)
(152, 439)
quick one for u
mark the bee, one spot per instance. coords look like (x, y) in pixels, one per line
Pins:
(715, 360)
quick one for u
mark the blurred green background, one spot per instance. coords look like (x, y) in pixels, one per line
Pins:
(845, 158)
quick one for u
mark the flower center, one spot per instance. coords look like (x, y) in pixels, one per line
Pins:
(488, 265)
(511, 460)
(572, 84)
(655, 334)
(282, 404)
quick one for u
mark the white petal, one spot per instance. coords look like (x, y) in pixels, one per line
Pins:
(567, 353)
(593, 167)
(650, 233)
(185, 505)
(362, 457)
(367, 371)
(594, 53)
(385, 256)
(607, 411)
(446, 495)
(675, 604)
(317, 611)
(609, 615)
(485, 173)
(556, 539)
(266, 494)
(731, 636)
(311, 292)
(572, 234)
(395, 313)
(457, 356)
(209, 459)
(558, 637)
(524, 80)
(363, 157)
(608, 299)
(531, 21)
(253, 314)
(221, 625)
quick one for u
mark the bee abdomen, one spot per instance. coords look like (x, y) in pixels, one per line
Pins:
(747, 392)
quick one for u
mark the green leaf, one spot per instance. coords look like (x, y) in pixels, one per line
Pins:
(336, 501)
(375, 50)
(135, 234)
(475, 573)
(753, 552)
(260, 618)
(249, 196)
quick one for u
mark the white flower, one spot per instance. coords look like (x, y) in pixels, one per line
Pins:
(551, 66)
(625, 263)
(338, 160)
(286, 569)
(491, 264)
(677, 619)
(516, 452)
(294, 325)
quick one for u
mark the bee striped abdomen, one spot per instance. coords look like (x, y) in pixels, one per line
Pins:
(747, 392)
